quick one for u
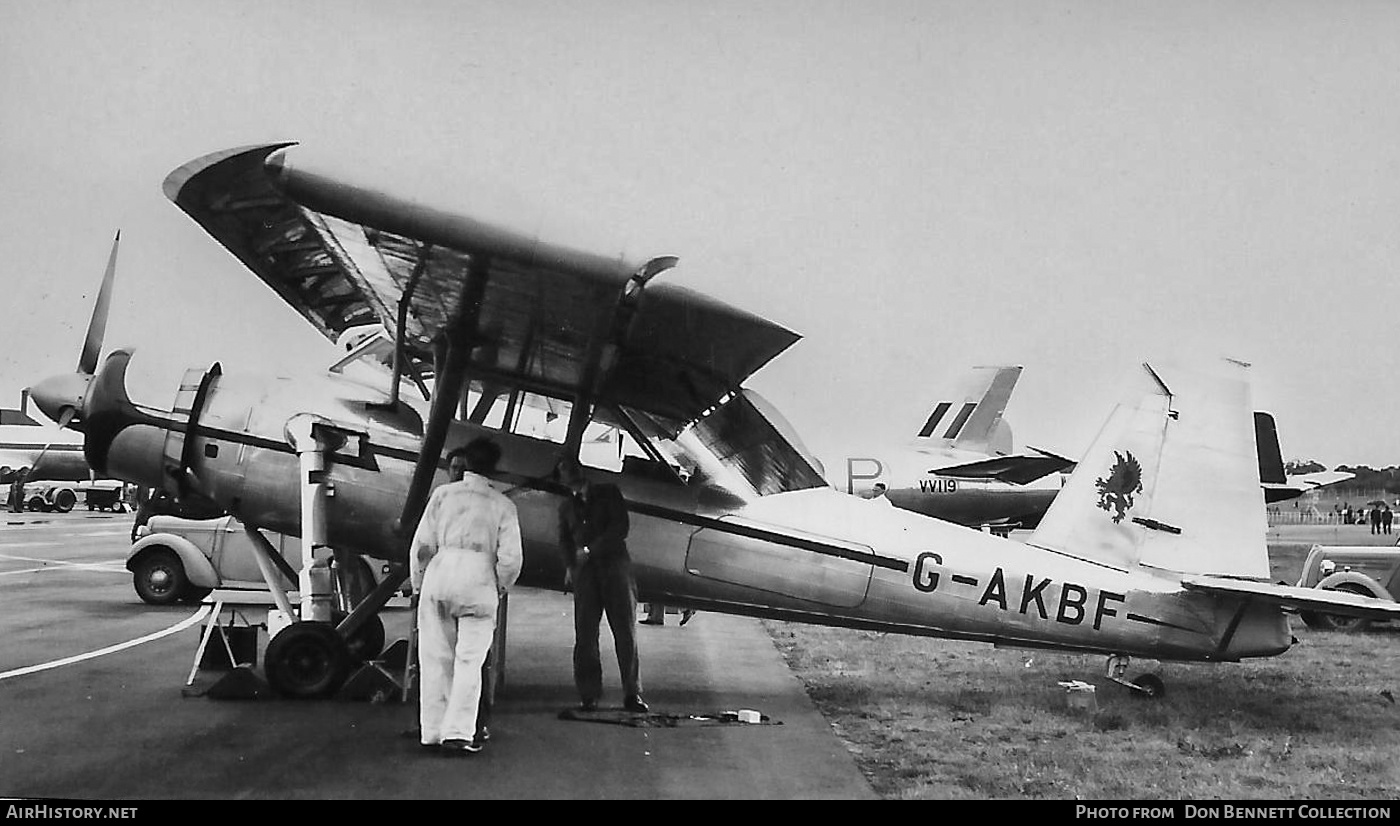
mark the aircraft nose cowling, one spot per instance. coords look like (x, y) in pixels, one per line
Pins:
(61, 398)
(108, 409)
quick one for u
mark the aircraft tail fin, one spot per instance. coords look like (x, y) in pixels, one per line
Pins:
(1171, 481)
(1270, 457)
(970, 418)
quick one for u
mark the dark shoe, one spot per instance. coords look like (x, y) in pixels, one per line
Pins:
(483, 735)
(652, 622)
(636, 704)
(588, 705)
(460, 747)
(686, 615)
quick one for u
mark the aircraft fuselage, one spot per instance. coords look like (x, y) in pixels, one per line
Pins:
(814, 555)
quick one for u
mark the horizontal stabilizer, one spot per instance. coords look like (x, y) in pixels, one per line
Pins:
(1299, 599)
(1296, 486)
(1017, 470)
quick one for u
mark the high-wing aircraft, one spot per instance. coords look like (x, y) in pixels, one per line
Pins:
(969, 474)
(960, 465)
(1155, 548)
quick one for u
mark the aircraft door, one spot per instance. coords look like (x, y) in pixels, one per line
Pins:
(819, 571)
(189, 400)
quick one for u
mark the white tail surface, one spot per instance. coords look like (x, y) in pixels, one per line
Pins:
(1171, 481)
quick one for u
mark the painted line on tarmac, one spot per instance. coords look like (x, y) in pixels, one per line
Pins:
(112, 649)
(60, 562)
(100, 567)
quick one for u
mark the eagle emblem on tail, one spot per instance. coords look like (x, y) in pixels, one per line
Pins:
(1117, 489)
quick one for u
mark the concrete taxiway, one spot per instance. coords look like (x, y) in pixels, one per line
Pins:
(116, 726)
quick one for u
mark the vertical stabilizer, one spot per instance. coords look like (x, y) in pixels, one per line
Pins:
(1270, 456)
(968, 418)
(1171, 482)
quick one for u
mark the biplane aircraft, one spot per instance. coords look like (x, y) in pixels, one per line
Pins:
(1155, 547)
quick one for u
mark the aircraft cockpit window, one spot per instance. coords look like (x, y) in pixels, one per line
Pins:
(733, 447)
(543, 417)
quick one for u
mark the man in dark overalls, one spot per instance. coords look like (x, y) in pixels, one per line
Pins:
(593, 527)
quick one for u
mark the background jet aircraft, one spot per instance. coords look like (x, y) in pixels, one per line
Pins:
(1279, 486)
(1155, 549)
(961, 467)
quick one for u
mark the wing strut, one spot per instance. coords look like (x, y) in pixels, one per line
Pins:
(603, 349)
(401, 357)
(451, 372)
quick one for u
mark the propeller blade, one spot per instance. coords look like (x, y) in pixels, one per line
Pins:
(97, 327)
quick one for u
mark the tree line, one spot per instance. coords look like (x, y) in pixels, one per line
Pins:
(1366, 479)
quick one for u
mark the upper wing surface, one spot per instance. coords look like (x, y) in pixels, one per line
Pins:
(344, 255)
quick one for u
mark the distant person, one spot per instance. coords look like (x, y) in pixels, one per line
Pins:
(1346, 513)
(1386, 517)
(17, 492)
(593, 527)
(1375, 520)
(465, 556)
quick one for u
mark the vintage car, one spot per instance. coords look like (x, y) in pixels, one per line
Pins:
(1369, 570)
(182, 560)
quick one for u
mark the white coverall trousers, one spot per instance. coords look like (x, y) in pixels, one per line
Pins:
(456, 624)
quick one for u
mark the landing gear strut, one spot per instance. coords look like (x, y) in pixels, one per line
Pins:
(1145, 685)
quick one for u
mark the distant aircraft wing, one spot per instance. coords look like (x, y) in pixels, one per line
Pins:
(344, 255)
(1019, 469)
(1299, 599)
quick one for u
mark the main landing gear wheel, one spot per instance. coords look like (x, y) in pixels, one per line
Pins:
(1149, 686)
(306, 660)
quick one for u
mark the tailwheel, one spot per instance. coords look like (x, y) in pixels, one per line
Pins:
(1149, 686)
(1144, 685)
(306, 660)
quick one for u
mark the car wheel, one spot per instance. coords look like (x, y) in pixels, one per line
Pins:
(1311, 619)
(1340, 622)
(306, 660)
(36, 503)
(159, 577)
(64, 500)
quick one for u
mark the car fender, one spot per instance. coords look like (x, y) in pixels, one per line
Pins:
(1373, 587)
(198, 569)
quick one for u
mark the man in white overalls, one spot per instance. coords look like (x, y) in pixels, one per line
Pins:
(465, 555)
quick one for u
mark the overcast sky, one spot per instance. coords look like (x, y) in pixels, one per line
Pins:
(915, 187)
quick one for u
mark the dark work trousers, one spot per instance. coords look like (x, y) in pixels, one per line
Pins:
(605, 587)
